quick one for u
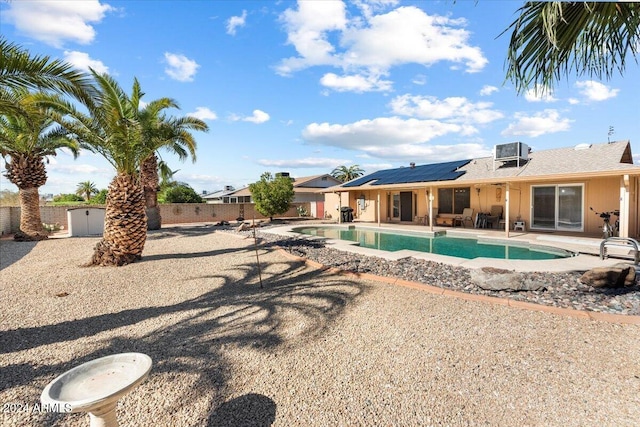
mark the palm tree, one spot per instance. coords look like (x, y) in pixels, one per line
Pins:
(552, 39)
(171, 134)
(27, 139)
(86, 189)
(19, 69)
(113, 128)
(344, 174)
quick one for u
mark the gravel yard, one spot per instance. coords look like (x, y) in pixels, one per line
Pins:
(312, 348)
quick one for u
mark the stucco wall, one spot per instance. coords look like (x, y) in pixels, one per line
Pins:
(174, 213)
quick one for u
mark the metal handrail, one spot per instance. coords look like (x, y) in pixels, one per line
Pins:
(620, 242)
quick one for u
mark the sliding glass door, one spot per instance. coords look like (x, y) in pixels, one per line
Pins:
(557, 207)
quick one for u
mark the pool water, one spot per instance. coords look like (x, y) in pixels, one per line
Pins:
(441, 245)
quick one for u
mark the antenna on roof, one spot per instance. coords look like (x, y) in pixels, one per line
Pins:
(611, 132)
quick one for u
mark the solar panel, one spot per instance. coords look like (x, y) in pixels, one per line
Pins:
(424, 173)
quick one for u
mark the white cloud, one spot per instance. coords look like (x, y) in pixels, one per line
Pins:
(541, 123)
(380, 131)
(82, 61)
(488, 90)
(370, 45)
(307, 30)
(355, 83)
(309, 162)
(235, 22)
(539, 94)
(257, 117)
(203, 113)
(595, 91)
(573, 101)
(453, 109)
(419, 80)
(54, 22)
(180, 67)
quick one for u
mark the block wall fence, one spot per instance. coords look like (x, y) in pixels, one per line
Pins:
(171, 213)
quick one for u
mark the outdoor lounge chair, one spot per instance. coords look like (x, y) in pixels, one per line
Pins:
(495, 216)
(467, 216)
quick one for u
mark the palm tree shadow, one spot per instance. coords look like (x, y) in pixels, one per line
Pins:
(194, 335)
(12, 251)
(248, 410)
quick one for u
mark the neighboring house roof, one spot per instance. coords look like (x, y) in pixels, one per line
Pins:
(305, 184)
(580, 161)
(217, 194)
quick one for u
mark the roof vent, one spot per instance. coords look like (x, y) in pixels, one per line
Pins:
(582, 147)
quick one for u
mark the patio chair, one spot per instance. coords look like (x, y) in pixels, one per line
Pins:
(467, 216)
(495, 216)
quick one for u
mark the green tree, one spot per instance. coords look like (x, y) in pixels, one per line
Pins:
(344, 174)
(112, 128)
(180, 193)
(100, 198)
(168, 133)
(272, 196)
(26, 139)
(21, 70)
(553, 39)
(86, 189)
(68, 198)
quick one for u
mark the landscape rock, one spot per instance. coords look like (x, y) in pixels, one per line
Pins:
(496, 279)
(617, 276)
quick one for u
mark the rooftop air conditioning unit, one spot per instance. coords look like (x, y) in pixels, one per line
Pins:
(282, 174)
(517, 151)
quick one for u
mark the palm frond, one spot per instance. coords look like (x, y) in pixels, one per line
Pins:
(551, 40)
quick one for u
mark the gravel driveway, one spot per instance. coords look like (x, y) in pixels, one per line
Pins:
(312, 348)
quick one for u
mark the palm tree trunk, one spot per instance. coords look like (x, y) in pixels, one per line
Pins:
(125, 224)
(28, 173)
(30, 220)
(150, 183)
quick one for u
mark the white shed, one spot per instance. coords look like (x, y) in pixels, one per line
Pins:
(85, 221)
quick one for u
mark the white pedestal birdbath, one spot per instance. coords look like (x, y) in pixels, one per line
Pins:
(96, 386)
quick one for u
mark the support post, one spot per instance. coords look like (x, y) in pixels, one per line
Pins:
(507, 220)
(378, 204)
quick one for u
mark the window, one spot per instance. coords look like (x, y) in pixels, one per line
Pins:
(453, 200)
(558, 207)
(396, 205)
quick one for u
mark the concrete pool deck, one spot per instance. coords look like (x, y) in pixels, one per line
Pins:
(586, 248)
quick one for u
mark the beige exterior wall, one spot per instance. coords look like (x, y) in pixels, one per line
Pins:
(172, 213)
(603, 194)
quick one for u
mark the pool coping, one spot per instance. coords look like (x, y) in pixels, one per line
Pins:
(570, 312)
(580, 262)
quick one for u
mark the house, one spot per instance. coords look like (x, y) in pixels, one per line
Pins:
(308, 189)
(545, 191)
(222, 196)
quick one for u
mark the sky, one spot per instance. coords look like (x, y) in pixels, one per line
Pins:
(304, 87)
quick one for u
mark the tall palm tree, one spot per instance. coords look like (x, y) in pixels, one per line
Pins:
(112, 128)
(552, 39)
(20, 69)
(86, 189)
(344, 174)
(171, 133)
(27, 139)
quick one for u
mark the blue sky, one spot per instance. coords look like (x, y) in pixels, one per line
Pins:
(307, 86)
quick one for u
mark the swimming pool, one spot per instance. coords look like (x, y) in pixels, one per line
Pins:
(441, 245)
